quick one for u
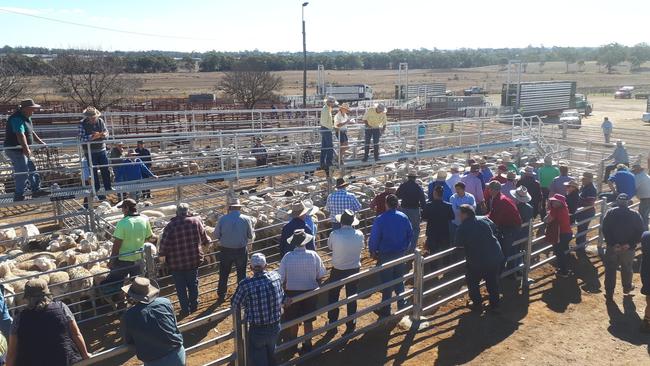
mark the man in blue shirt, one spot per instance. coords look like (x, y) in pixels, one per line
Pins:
(390, 237)
(458, 199)
(619, 156)
(19, 136)
(261, 297)
(441, 180)
(150, 325)
(298, 211)
(621, 182)
(132, 169)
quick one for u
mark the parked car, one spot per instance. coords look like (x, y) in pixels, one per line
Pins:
(572, 118)
(474, 90)
(624, 92)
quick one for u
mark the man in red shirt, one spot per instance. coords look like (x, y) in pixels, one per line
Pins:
(558, 231)
(379, 202)
(180, 245)
(505, 215)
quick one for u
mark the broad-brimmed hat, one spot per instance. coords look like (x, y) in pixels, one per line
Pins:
(331, 99)
(512, 175)
(507, 158)
(91, 112)
(129, 202)
(521, 194)
(28, 103)
(389, 185)
(494, 185)
(234, 202)
(621, 167)
(345, 106)
(622, 197)
(298, 209)
(142, 290)
(381, 106)
(529, 170)
(558, 197)
(302, 235)
(454, 168)
(481, 161)
(347, 215)
(313, 209)
(588, 175)
(620, 142)
(36, 288)
(258, 260)
(441, 175)
(341, 183)
(572, 183)
(474, 168)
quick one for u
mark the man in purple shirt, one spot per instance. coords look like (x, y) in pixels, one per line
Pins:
(474, 186)
(557, 186)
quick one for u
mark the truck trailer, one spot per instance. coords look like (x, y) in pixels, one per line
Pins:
(543, 98)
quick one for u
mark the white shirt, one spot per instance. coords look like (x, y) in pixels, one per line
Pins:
(300, 269)
(452, 180)
(346, 244)
(642, 183)
(340, 118)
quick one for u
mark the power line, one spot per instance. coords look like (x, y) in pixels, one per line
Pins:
(105, 28)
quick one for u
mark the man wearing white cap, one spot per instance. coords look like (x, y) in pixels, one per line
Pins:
(375, 120)
(301, 270)
(326, 127)
(261, 296)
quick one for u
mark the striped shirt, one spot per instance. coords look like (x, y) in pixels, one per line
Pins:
(340, 201)
(300, 270)
(261, 297)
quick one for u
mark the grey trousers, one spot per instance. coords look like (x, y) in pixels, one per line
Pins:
(613, 260)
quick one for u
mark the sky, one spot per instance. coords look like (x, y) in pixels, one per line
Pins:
(346, 25)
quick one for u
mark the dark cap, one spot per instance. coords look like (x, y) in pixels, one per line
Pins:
(129, 203)
(341, 183)
(28, 103)
(475, 168)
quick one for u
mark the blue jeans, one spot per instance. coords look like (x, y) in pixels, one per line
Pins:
(388, 275)
(414, 217)
(115, 279)
(374, 134)
(644, 211)
(261, 343)
(173, 358)
(24, 171)
(187, 289)
(100, 158)
(326, 147)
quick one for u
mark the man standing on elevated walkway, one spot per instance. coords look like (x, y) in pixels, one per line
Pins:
(92, 130)
(327, 141)
(375, 120)
(622, 229)
(390, 237)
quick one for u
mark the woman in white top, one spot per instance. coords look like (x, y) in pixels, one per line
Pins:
(340, 124)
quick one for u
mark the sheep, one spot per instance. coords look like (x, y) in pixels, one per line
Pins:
(81, 282)
(7, 234)
(58, 283)
(29, 231)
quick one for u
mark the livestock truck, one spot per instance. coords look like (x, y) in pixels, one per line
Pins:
(347, 93)
(547, 99)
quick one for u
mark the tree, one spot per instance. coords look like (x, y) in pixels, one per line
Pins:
(568, 55)
(188, 63)
(638, 54)
(249, 83)
(581, 65)
(13, 84)
(541, 66)
(611, 55)
(94, 81)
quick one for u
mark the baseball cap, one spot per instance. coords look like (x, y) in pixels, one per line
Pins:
(258, 260)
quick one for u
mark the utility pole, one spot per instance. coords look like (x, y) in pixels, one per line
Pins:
(304, 58)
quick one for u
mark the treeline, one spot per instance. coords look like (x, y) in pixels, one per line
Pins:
(161, 61)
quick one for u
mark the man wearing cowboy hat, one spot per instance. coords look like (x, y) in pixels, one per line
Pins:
(341, 120)
(150, 325)
(504, 214)
(93, 131)
(298, 213)
(390, 237)
(441, 177)
(301, 270)
(346, 245)
(378, 203)
(326, 127)
(341, 200)
(485, 170)
(375, 120)
(261, 296)
(619, 156)
(572, 198)
(533, 188)
(622, 229)
(642, 185)
(454, 176)
(413, 201)
(234, 232)
(129, 236)
(522, 199)
(19, 136)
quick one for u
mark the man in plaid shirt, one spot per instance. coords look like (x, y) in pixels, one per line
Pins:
(341, 200)
(261, 296)
(180, 245)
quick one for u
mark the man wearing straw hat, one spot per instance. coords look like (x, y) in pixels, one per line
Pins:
(441, 177)
(298, 212)
(378, 203)
(261, 296)
(326, 127)
(234, 232)
(341, 200)
(19, 136)
(533, 188)
(92, 129)
(301, 270)
(150, 325)
(341, 120)
(375, 120)
(346, 244)
(522, 199)
(180, 248)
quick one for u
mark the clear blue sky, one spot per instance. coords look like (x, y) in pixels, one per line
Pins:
(352, 25)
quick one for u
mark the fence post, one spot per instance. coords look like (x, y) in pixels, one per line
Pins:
(149, 263)
(418, 281)
(603, 209)
(525, 284)
(564, 130)
(240, 337)
(179, 195)
(601, 176)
